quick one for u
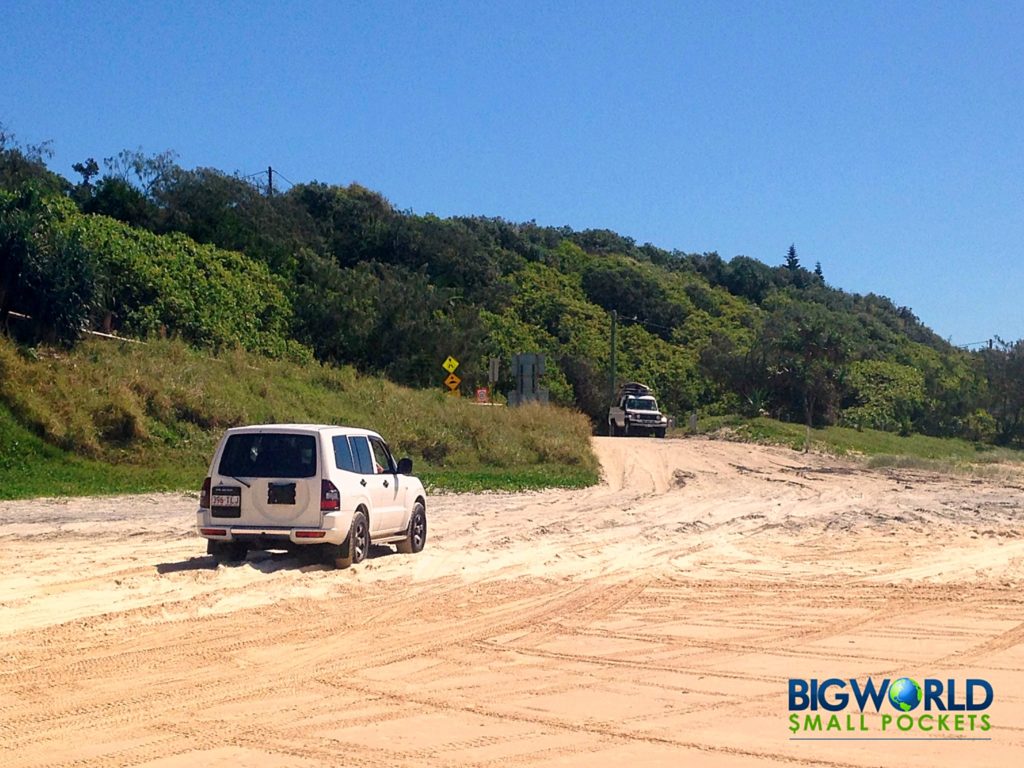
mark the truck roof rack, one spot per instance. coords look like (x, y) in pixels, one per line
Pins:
(634, 388)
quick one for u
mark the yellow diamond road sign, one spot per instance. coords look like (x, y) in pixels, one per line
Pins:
(450, 364)
(453, 381)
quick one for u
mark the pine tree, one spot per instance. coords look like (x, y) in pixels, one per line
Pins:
(817, 271)
(792, 262)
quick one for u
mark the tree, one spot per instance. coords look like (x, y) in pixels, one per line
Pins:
(47, 274)
(1004, 369)
(146, 173)
(792, 261)
(805, 352)
(27, 164)
(233, 213)
(749, 278)
(637, 291)
(884, 395)
(87, 170)
(114, 197)
(82, 192)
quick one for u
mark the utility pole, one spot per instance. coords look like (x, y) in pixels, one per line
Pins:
(611, 372)
(270, 181)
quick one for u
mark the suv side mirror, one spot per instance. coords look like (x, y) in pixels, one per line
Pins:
(405, 466)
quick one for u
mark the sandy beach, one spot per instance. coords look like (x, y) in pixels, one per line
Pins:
(652, 620)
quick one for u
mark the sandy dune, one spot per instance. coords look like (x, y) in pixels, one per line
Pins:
(653, 620)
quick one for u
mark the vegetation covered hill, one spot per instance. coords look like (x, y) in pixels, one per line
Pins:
(110, 417)
(337, 275)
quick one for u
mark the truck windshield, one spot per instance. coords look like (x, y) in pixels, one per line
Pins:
(642, 404)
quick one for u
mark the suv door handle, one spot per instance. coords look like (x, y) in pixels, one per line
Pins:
(362, 483)
(385, 483)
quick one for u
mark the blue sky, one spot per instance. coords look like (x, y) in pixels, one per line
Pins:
(886, 140)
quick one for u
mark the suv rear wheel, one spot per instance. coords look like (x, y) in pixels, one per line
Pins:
(357, 545)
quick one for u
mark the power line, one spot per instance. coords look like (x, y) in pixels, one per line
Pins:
(282, 176)
(271, 172)
(646, 323)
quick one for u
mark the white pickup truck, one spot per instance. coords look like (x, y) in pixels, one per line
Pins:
(636, 412)
(314, 488)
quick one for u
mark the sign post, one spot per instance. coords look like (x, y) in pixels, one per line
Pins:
(453, 381)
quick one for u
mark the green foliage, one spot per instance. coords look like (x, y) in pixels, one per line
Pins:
(116, 198)
(385, 319)
(156, 285)
(1003, 364)
(981, 426)
(637, 291)
(338, 272)
(954, 387)
(26, 164)
(805, 350)
(47, 273)
(886, 395)
(792, 260)
(67, 270)
(749, 278)
(671, 370)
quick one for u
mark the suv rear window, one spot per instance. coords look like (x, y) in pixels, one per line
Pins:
(269, 455)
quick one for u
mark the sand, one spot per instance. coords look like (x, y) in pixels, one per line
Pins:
(652, 620)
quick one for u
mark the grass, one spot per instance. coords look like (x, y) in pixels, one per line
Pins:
(118, 418)
(29, 467)
(880, 448)
(519, 479)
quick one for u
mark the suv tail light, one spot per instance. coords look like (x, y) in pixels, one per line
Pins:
(204, 494)
(330, 497)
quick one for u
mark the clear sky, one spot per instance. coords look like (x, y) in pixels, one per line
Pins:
(884, 139)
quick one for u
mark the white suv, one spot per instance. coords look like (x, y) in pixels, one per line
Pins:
(292, 486)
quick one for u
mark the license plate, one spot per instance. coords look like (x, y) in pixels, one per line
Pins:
(226, 501)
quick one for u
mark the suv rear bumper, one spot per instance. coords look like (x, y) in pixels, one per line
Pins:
(333, 531)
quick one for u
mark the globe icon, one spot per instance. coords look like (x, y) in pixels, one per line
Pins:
(905, 694)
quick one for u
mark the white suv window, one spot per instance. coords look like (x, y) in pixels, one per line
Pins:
(362, 455)
(381, 455)
(343, 458)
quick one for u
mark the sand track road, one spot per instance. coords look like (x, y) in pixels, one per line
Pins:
(652, 620)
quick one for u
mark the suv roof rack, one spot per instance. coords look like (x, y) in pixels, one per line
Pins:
(634, 388)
